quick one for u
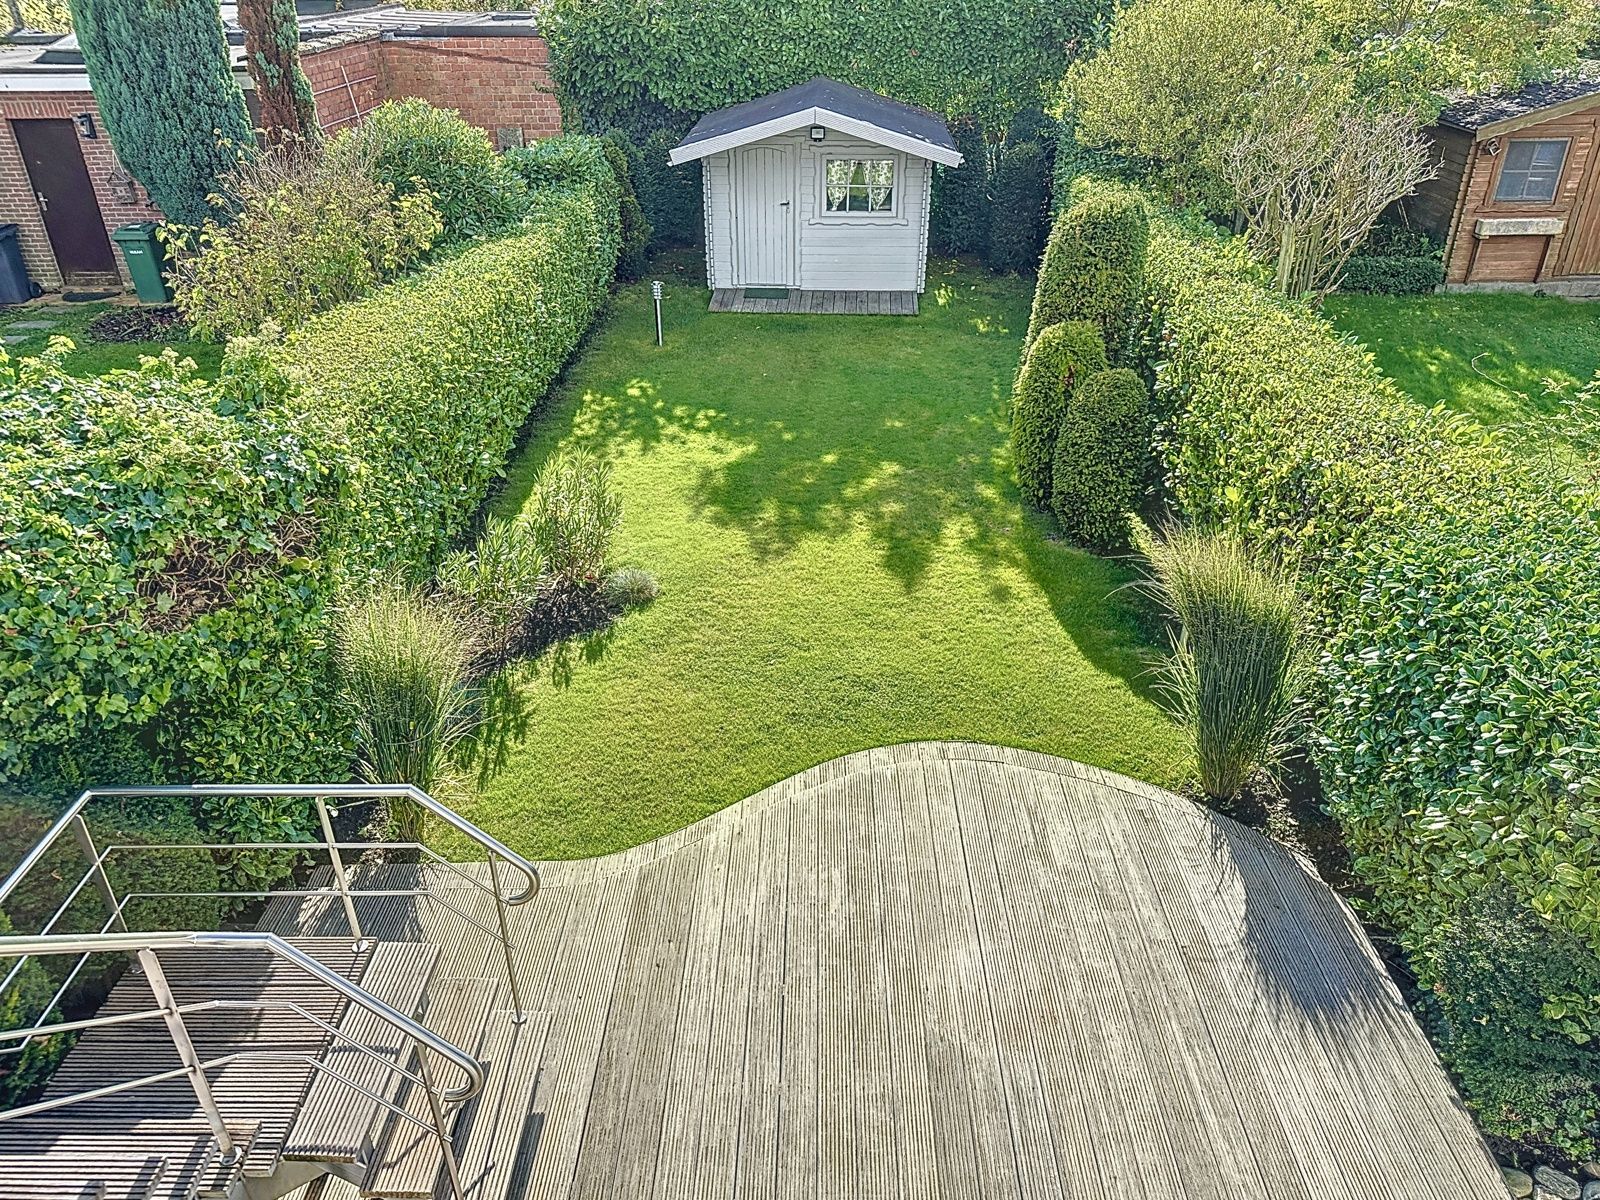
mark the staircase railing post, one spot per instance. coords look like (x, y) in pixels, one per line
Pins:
(446, 1143)
(102, 881)
(157, 979)
(340, 880)
(505, 939)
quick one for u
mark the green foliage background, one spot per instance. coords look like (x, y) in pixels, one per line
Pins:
(641, 64)
(166, 92)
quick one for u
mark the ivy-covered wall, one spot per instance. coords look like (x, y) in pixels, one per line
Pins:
(644, 65)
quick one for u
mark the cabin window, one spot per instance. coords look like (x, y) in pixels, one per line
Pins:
(1531, 171)
(860, 185)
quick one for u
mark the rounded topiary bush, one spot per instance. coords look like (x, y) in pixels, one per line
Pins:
(410, 145)
(1021, 197)
(1093, 268)
(1100, 458)
(1061, 355)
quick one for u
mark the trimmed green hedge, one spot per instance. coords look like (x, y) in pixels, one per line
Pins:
(1392, 275)
(959, 210)
(425, 383)
(1457, 588)
(1020, 210)
(1101, 459)
(1093, 268)
(1060, 357)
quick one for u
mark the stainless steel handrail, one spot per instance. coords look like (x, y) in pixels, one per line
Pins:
(320, 795)
(69, 943)
(311, 791)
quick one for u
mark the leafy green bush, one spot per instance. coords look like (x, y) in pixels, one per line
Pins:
(1060, 357)
(557, 165)
(426, 382)
(405, 667)
(572, 516)
(672, 197)
(623, 64)
(1520, 1001)
(1392, 276)
(298, 232)
(497, 579)
(959, 214)
(1239, 660)
(411, 145)
(1093, 268)
(1100, 460)
(162, 572)
(1021, 204)
(636, 231)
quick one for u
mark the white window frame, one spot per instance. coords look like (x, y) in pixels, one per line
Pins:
(892, 214)
(1561, 171)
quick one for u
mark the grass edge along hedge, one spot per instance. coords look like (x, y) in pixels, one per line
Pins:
(1457, 587)
(424, 383)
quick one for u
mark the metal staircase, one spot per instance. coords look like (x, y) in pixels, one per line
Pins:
(248, 1065)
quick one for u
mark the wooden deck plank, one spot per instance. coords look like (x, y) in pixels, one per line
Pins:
(817, 301)
(931, 971)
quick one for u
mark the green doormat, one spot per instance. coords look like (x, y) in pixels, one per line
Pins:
(766, 293)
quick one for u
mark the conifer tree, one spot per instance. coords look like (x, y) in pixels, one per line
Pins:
(272, 55)
(166, 92)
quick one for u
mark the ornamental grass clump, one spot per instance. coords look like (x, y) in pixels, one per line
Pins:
(1239, 657)
(405, 667)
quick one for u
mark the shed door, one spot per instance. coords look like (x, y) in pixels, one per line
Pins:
(763, 217)
(66, 199)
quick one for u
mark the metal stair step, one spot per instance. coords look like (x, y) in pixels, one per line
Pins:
(409, 1159)
(337, 1123)
(55, 1158)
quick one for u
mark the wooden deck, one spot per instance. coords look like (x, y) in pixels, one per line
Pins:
(861, 304)
(947, 971)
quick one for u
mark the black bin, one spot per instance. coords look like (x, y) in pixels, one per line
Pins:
(15, 286)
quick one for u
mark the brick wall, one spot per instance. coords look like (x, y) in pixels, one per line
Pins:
(501, 84)
(121, 200)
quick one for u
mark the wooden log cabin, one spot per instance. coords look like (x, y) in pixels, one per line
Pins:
(1517, 198)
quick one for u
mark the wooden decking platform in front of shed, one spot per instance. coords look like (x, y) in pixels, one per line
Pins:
(864, 304)
(944, 970)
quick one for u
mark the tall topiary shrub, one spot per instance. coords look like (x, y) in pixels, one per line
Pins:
(636, 232)
(959, 220)
(166, 92)
(1093, 268)
(1100, 459)
(1021, 200)
(1060, 357)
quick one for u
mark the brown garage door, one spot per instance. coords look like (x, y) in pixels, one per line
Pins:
(66, 198)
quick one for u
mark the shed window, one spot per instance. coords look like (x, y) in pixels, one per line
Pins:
(860, 185)
(1531, 171)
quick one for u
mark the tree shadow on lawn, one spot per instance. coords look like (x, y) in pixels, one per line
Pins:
(881, 442)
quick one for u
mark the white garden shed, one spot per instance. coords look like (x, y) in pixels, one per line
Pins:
(819, 188)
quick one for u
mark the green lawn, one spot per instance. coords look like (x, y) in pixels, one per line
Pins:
(1487, 356)
(90, 357)
(828, 504)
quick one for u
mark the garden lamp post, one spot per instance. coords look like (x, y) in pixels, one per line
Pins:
(655, 292)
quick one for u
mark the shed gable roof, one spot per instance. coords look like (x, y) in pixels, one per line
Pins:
(1491, 112)
(827, 102)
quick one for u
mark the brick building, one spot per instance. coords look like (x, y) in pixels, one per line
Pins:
(1517, 198)
(60, 179)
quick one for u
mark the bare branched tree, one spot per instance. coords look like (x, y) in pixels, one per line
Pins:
(1314, 173)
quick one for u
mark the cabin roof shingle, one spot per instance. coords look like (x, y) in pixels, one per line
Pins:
(821, 92)
(1474, 112)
